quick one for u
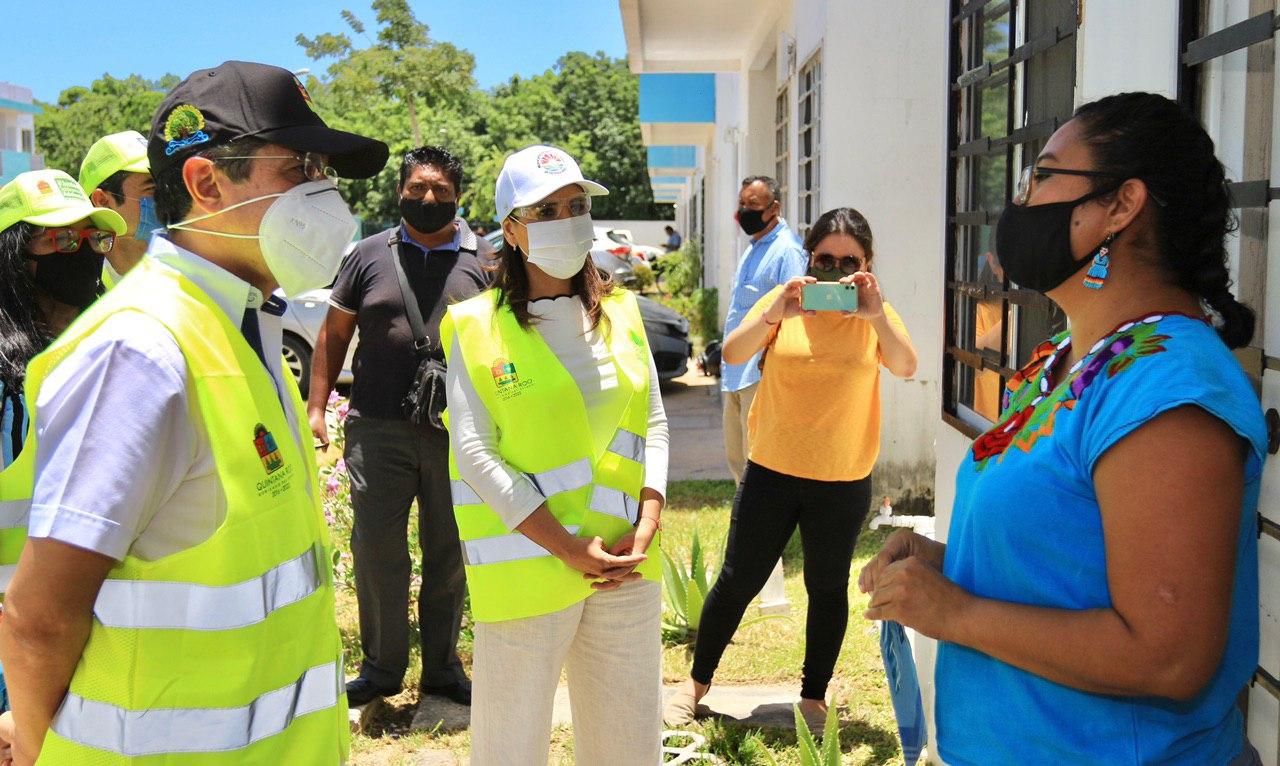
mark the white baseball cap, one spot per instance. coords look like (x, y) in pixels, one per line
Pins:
(533, 173)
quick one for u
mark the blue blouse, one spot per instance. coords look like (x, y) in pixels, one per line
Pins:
(1026, 528)
(13, 424)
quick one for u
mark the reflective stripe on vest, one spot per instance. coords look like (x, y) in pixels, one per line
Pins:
(6, 574)
(513, 547)
(195, 730)
(628, 445)
(566, 478)
(13, 513)
(615, 502)
(187, 606)
(463, 494)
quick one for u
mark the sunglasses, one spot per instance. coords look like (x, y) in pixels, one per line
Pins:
(551, 210)
(69, 240)
(849, 264)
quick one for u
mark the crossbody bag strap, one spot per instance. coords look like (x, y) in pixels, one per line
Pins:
(421, 341)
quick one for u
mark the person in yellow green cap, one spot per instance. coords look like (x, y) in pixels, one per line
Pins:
(52, 239)
(117, 175)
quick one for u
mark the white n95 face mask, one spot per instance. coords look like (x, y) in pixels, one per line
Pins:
(302, 235)
(560, 247)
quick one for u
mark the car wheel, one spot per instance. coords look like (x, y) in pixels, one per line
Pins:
(297, 358)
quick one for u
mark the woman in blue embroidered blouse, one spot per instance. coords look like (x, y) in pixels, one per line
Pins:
(1097, 599)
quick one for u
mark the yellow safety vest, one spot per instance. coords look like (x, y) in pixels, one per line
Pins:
(108, 279)
(592, 487)
(16, 483)
(227, 652)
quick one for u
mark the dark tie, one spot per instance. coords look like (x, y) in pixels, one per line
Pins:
(249, 328)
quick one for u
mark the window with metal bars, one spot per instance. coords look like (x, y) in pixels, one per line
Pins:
(782, 146)
(1012, 81)
(1228, 78)
(808, 138)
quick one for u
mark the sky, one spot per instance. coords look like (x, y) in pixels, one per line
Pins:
(50, 43)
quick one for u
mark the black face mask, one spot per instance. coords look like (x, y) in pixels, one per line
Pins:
(427, 217)
(1033, 243)
(751, 221)
(70, 278)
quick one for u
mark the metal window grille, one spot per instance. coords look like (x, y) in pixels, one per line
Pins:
(782, 145)
(1012, 78)
(809, 140)
(1232, 68)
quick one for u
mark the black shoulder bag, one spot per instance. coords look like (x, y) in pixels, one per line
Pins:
(425, 402)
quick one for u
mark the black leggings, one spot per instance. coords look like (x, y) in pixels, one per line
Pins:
(766, 510)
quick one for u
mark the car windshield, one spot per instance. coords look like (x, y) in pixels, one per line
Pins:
(618, 237)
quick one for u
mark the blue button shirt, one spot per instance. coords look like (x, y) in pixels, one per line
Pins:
(13, 425)
(767, 263)
(1027, 529)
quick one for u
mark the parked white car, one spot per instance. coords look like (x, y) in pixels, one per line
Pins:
(301, 322)
(646, 253)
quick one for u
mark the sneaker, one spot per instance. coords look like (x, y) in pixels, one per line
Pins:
(362, 691)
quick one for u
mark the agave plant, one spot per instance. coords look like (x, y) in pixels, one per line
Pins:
(813, 754)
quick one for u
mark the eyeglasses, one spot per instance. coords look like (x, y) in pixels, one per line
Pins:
(550, 210)
(849, 264)
(314, 168)
(68, 240)
(1032, 174)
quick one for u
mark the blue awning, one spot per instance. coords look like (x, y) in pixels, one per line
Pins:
(18, 106)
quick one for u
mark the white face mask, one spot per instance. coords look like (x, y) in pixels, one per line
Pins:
(302, 235)
(560, 247)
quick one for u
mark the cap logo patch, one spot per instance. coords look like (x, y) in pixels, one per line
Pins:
(70, 190)
(551, 162)
(306, 97)
(43, 187)
(184, 127)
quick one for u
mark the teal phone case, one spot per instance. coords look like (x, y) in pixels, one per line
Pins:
(829, 296)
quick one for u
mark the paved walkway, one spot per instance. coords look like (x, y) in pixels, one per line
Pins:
(697, 433)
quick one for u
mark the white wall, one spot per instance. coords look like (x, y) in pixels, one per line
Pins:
(884, 153)
(724, 241)
(1111, 30)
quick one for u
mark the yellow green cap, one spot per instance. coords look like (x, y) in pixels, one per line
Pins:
(111, 154)
(52, 198)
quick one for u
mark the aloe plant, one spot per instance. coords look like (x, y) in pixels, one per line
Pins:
(813, 754)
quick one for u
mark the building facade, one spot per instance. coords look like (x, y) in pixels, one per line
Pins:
(921, 113)
(17, 132)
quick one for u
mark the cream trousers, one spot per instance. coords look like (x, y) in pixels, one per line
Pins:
(610, 646)
(737, 405)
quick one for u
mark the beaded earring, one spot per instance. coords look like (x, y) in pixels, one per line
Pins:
(1101, 266)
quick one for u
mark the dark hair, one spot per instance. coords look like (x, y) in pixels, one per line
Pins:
(114, 185)
(1152, 138)
(23, 332)
(437, 157)
(775, 190)
(842, 220)
(669, 228)
(512, 282)
(172, 199)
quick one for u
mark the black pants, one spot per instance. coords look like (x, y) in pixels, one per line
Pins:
(390, 464)
(768, 507)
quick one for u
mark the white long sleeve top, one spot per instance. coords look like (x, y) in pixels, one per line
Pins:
(564, 325)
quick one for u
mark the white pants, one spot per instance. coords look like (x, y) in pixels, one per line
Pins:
(610, 645)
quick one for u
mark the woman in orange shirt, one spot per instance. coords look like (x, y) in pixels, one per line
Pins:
(814, 434)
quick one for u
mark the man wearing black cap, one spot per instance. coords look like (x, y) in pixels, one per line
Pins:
(175, 596)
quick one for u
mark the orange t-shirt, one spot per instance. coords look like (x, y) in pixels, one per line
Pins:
(816, 414)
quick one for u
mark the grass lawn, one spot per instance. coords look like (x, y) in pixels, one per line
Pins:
(770, 651)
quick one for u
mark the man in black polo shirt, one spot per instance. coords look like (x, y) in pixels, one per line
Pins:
(389, 460)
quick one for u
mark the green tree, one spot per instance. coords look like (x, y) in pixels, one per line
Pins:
(403, 87)
(66, 130)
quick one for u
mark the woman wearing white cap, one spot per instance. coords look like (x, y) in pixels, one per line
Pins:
(558, 458)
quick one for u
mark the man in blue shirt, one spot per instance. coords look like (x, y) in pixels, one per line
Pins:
(773, 257)
(673, 239)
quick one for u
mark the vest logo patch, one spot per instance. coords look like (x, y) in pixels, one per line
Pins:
(504, 373)
(265, 443)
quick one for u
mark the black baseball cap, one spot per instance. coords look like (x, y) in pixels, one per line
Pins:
(239, 99)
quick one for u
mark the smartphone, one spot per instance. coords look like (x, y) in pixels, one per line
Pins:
(829, 296)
